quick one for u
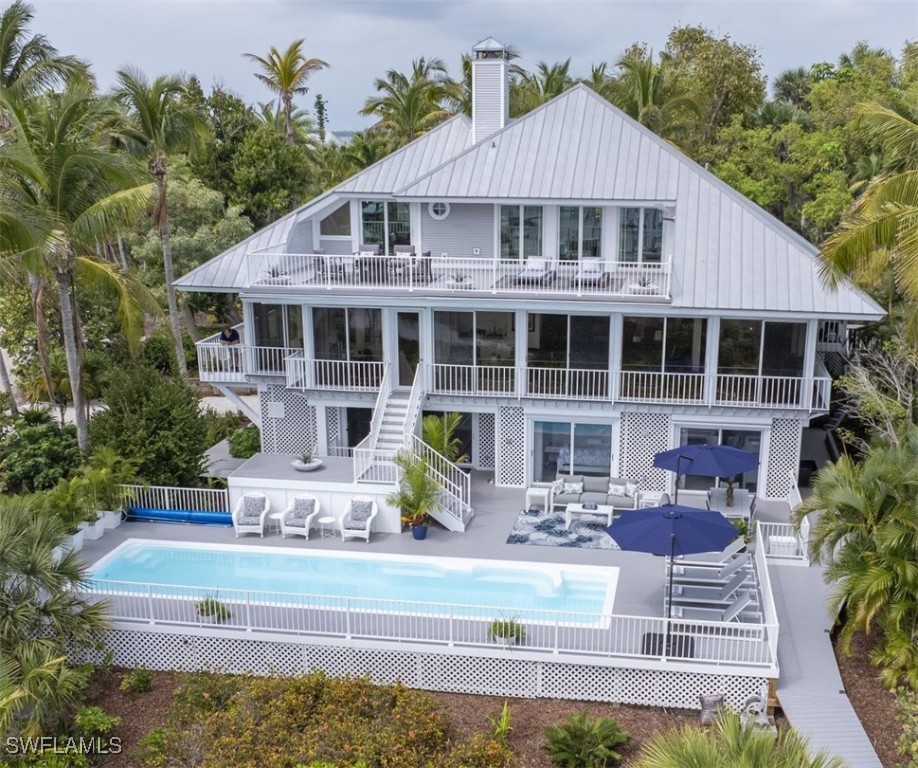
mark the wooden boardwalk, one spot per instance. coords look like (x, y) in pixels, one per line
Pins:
(810, 688)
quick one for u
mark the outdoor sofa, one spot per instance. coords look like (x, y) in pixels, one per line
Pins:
(583, 489)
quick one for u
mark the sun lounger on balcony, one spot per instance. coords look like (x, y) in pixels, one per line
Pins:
(537, 270)
(714, 559)
(706, 576)
(715, 595)
(731, 612)
(591, 273)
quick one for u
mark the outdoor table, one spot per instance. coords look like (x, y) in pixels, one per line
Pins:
(742, 503)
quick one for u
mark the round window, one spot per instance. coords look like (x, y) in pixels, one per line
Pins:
(438, 210)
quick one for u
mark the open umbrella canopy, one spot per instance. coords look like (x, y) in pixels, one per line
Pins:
(672, 530)
(707, 460)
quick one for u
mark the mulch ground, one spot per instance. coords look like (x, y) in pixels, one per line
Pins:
(874, 705)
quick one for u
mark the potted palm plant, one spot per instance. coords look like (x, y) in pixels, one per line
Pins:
(104, 479)
(507, 631)
(418, 493)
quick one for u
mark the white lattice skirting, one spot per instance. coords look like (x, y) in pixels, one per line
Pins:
(435, 671)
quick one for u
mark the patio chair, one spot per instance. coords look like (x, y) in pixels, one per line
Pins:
(537, 271)
(297, 518)
(357, 518)
(705, 576)
(250, 512)
(732, 612)
(401, 264)
(591, 273)
(714, 595)
(714, 559)
(369, 249)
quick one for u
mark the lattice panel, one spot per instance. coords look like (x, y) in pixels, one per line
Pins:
(783, 457)
(641, 435)
(296, 431)
(332, 428)
(436, 671)
(511, 447)
(487, 444)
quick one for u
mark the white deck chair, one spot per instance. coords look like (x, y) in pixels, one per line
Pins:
(536, 270)
(357, 518)
(705, 576)
(716, 595)
(731, 613)
(301, 511)
(715, 559)
(250, 513)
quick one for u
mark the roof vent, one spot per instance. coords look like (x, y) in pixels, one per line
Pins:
(490, 88)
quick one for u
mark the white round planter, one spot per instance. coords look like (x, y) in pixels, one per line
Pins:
(301, 466)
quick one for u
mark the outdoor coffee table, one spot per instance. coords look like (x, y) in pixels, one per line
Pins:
(578, 509)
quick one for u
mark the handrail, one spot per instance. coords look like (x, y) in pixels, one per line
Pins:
(164, 497)
(365, 452)
(413, 411)
(455, 483)
(769, 610)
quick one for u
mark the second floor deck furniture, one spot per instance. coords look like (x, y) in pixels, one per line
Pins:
(742, 507)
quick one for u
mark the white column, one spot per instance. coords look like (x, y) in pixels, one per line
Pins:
(710, 361)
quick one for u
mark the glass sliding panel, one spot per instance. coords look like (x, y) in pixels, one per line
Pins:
(373, 222)
(696, 436)
(629, 233)
(642, 343)
(685, 345)
(551, 440)
(454, 346)
(590, 246)
(338, 223)
(329, 331)
(510, 232)
(409, 347)
(589, 342)
(547, 341)
(496, 338)
(399, 215)
(782, 350)
(738, 351)
(365, 334)
(532, 230)
(359, 421)
(269, 325)
(569, 234)
(294, 326)
(745, 440)
(592, 449)
(652, 236)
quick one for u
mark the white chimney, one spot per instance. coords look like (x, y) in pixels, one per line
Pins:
(490, 88)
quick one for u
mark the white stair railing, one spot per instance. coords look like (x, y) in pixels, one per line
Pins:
(456, 484)
(366, 454)
(413, 411)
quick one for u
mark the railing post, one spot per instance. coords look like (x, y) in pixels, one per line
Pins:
(150, 618)
(347, 615)
(450, 638)
(248, 611)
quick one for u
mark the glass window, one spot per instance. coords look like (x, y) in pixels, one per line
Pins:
(453, 339)
(294, 326)
(365, 334)
(337, 224)
(686, 340)
(520, 231)
(746, 440)
(329, 331)
(592, 453)
(640, 235)
(399, 225)
(373, 220)
(642, 343)
(783, 345)
(347, 334)
(738, 350)
(549, 438)
(386, 224)
(278, 325)
(547, 341)
(580, 233)
(496, 338)
(562, 448)
(589, 346)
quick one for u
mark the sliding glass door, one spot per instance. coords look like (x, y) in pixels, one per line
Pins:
(571, 449)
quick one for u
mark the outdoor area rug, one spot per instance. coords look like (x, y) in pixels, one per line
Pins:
(546, 529)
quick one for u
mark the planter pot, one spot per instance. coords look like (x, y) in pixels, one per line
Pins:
(76, 540)
(92, 531)
(464, 285)
(507, 642)
(419, 532)
(301, 466)
(111, 519)
(647, 290)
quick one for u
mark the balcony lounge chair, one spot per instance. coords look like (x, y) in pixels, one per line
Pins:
(591, 273)
(714, 559)
(297, 518)
(712, 595)
(537, 271)
(250, 513)
(402, 261)
(357, 518)
(705, 576)
(730, 613)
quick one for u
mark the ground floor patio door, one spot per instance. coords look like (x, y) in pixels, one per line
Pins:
(408, 341)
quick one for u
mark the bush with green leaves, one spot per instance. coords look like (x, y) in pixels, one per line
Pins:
(245, 442)
(907, 715)
(157, 421)
(136, 681)
(219, 426)
(580, 742)
(36, 452)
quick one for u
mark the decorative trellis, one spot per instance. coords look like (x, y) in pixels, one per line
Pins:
(294, 430)
(500, 675)
(486, 441)
(783, 457)
(511, 438)
(332, 429)
(641, 435)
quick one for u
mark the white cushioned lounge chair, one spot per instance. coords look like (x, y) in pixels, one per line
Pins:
(250, 513)
(298, 516)
(356, 520)
(536, 270)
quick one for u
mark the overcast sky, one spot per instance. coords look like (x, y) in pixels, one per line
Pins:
(361, 40)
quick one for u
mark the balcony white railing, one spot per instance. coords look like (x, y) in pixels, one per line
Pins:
(334, 375)
(457, 485)
(473, 379)
(234, 362)
(576, 383)
(658, 387)
(555, 634)
(370, 463)
(740, 390)
(543, 276)
(767, 606)
(166, 498)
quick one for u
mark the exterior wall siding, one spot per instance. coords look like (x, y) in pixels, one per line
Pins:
(335, 246)
(466, 227)
(300, 239)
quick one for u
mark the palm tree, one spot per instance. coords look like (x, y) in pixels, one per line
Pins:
(410, 105)
(729, 743)
(601, 81)
(439, 432)
(793, 86)
(529, 90)
(30, 65)
(43, 616)
(882, 226)
(304, 130)
(73, 190)
(642, 93)
(286, 74)
(162, 124)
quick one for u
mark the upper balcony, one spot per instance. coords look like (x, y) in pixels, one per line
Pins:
(427, 275)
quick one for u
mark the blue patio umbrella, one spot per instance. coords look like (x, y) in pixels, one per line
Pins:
(706, 460)
(672, 530)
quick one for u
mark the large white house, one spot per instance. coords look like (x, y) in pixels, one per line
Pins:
(583, 292)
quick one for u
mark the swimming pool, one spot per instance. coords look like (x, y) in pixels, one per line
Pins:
(436, 582)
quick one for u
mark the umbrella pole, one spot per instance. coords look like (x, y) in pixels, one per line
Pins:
(676, 492)
(669, 603)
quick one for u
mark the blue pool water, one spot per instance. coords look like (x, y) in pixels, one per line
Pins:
(452, 581)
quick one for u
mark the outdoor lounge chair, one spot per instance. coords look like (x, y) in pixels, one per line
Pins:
(713, 595)
(301, 511)
(706, 576)
(591, 273)
(537, 270)
(250, 513)
(731, 613)
(715, 559)
(357, 518)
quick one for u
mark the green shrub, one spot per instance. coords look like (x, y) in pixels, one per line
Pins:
(219, 426)
(907, 715)
(136, 681)
(582, 743)
(155, 420)
(245, 442)
(480, 751)
(200, 694)
(157, 351)
(506, 629)
(211, 607)
(153, 748)
(36, 453)
(92, 722)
